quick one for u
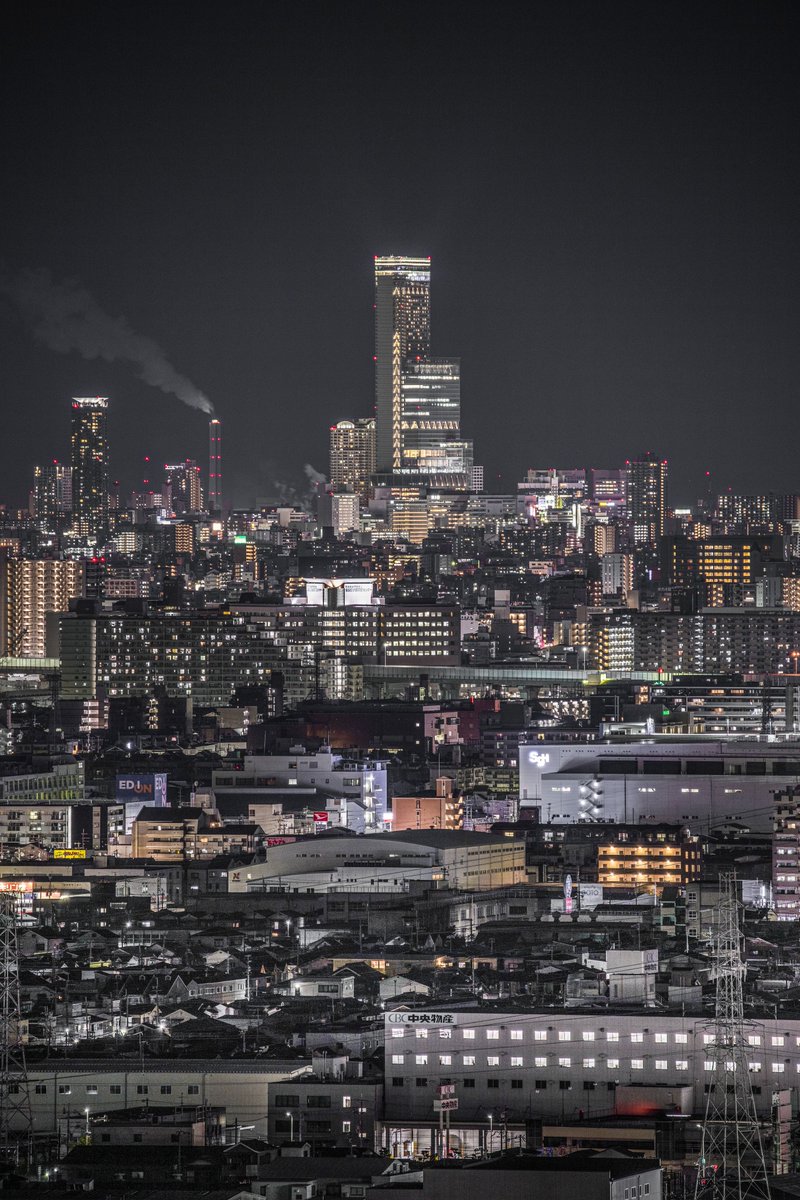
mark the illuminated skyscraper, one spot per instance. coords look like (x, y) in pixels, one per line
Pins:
(646, 498)
(402, 335)
(214, 465)
(52, 496)
(431, 419)
(184, 484)
(29, 590)
(352, 458)
(90, 467)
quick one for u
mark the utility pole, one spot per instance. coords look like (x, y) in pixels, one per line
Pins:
(732, 1164)
(16, 1123)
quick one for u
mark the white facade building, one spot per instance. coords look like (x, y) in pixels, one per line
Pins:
(362, 782)
(556, 1064)
(701, 784)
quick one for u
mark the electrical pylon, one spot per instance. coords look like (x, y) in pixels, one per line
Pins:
(15, 1102)
(732, 1164)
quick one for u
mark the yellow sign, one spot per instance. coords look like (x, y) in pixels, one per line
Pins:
(69, 854)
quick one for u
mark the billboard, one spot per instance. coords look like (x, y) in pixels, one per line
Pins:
(69, 854)
(149, 789)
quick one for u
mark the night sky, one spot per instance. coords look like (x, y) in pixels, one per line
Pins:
(609, 193)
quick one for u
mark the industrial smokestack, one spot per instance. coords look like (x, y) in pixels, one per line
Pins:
(215, 465)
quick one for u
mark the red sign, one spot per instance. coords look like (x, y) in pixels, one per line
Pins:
(320, 818)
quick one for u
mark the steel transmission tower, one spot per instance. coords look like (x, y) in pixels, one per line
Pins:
(15, 1104)
(732, 1165)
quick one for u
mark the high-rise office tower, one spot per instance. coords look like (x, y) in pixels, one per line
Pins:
(90, 467)
(646, 486)
(214, 465)
(52, 496)
(402, 335)
(183, 480)
(352, 458)
(431, 416)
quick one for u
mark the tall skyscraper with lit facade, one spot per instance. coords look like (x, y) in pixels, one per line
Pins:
(89, 445)
(402, 335)
(646, 487)
(431, 418)
(352, 454)
(52, 496)
(183, 480)
(29, 590)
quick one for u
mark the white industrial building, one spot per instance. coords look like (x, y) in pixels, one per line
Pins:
(704, 784)
(563, 1065)
(387, 862)
(71, 1086)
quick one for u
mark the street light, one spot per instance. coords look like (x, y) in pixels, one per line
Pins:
(86, 1111)
(291, 1126)
(491, 1131)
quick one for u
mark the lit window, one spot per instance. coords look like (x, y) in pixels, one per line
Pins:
(468, 1060)
(588, 1063)
(637, 1037)
(516, 1062)
(540, 1061)
(398, 1058)
(564, 1035)
(612, 1064)
(637, 1064)
(612, 1036)
(422, 1060)
(565, 1062)
(540, 1035)
(661, 1064)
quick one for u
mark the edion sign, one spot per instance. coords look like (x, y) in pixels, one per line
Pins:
(152, 789)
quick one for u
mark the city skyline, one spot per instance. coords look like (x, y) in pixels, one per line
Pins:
(609, 202)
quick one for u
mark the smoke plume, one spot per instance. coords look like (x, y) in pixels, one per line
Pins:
(313, 475)
(65, 317)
